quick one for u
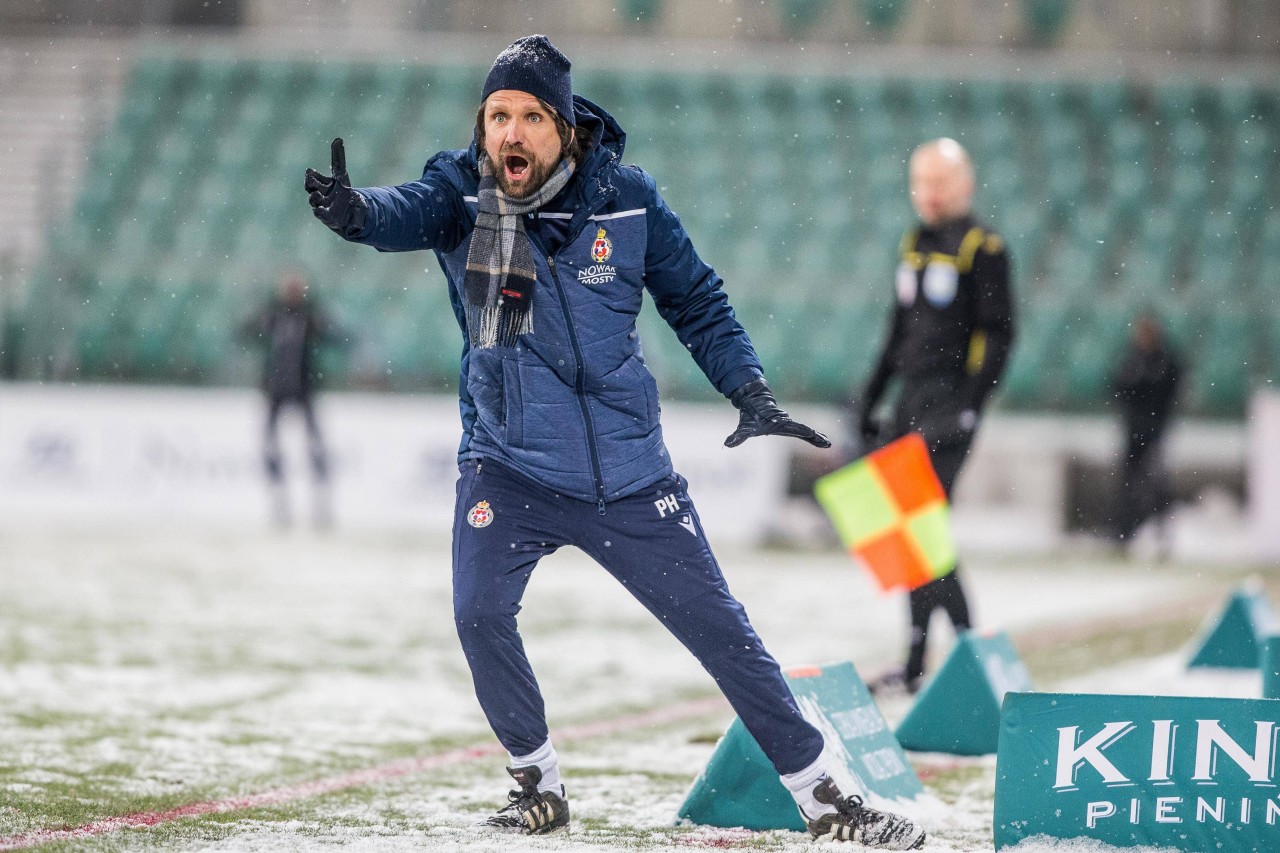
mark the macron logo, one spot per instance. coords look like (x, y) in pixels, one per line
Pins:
(666, 504)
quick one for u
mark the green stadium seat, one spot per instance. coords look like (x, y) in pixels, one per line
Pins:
(1237, 101)
(1092, 351)
(1176, 100)
(1188, 192)
(1038, 350)
(1269, 242)
(1222, 373)
(1109, 101)
(1189, 143)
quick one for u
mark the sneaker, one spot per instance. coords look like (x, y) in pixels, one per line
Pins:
(531, 811)
(894, 683)
(852, 821)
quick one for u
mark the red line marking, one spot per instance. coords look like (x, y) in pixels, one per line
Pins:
(357, 778)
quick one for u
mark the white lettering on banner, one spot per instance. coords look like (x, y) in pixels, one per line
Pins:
(858, 722)
(1094, 811)
(1210, 735)
(1166, 810)
(1211, 741)
(1161, 750)
(1071, 757)
(1217, 812)
(882, 764)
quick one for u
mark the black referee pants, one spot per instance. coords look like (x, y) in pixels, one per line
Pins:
(931, 406)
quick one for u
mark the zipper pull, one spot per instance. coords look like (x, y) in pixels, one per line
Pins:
(600, 506)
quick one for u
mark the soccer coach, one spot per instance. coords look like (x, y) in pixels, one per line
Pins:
(548, 243)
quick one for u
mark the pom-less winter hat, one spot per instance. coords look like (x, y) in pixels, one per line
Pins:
(534, 65)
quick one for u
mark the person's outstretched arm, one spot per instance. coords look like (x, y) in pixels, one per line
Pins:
(690, 297)
(424, 214)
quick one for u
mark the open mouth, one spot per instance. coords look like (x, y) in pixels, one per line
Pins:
(516, 165)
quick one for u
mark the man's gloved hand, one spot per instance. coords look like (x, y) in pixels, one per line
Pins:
(332, 200)
(759, 415)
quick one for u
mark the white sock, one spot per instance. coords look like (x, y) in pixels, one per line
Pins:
(801, 785)
(546, 760)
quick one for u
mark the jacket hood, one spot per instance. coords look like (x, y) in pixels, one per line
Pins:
(606, 133)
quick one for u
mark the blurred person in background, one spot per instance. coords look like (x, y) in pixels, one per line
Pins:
(290, 328)
(549, 243)
(1146, 386)
(949, 337)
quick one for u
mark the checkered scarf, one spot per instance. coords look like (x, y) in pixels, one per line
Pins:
(500, 277)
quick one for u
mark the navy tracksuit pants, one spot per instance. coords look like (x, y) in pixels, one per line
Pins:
(653, 543)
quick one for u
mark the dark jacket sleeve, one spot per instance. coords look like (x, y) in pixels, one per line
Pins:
(690, 297)
(874, 387)
(994, 320)
(424, 214)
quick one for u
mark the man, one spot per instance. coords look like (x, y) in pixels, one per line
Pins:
(949, 337)
(548, 243)
(292, 328)
(1146, 385)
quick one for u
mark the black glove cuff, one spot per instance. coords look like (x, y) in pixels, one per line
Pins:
(751, 389)
(357, 216)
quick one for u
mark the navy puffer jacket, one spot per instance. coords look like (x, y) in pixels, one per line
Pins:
(572, 405)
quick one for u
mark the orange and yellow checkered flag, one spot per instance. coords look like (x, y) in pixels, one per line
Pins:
(892, 514)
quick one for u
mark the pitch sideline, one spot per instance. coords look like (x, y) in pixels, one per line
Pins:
(357, 778)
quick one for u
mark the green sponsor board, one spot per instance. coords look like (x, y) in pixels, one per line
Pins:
(740, 787)
(1175, 772)
(958, 711)
(1271, 668)
(1234, 639)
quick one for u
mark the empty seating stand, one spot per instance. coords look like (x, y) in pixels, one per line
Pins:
(1114, 198)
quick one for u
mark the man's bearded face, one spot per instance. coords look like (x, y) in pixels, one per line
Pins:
(522, 141)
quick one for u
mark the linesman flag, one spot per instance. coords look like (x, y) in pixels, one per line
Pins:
(892, 514)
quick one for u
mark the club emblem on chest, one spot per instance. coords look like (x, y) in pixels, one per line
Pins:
(602, 248)
(481, 515)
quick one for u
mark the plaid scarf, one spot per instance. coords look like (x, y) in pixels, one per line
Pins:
(500, 277)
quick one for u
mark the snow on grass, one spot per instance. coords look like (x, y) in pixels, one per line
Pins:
(147, 671)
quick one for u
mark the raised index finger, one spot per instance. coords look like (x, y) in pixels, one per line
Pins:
(339, 154)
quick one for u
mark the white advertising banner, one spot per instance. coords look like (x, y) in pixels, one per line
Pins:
(141, 455)
(1264, 472)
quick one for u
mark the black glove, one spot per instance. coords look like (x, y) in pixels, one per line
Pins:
(332, 200)
(760, 415)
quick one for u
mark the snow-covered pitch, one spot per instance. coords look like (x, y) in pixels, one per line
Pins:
(296, 691)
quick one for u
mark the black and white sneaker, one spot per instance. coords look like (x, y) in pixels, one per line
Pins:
(531, 811)
(894, 683)
(852, 821)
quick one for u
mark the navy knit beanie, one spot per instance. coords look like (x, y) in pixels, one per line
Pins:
(534, 65)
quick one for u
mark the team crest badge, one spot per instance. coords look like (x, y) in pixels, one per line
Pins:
(481, 515)
(602, 248)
